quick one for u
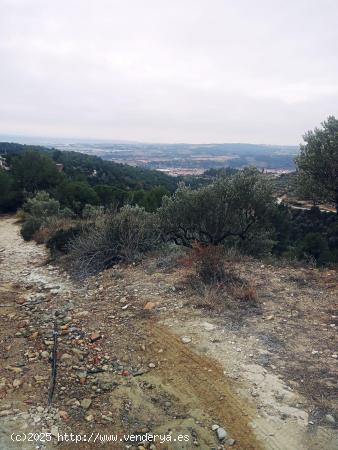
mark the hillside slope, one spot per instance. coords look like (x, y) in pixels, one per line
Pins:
(136, 356)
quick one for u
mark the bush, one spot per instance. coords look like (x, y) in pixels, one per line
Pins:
(42, 206)
(208, 262)
(314, 245)
(123, 236)
(209, 265)
(60, 240)
(30, 227)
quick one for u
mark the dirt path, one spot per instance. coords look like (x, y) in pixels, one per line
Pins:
(123, 369)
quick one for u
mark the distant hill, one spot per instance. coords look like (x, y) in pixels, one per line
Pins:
(95, 170)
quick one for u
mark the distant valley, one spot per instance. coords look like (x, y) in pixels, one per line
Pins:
(179, 159)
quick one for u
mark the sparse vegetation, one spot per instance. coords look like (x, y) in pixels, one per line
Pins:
(116, 236)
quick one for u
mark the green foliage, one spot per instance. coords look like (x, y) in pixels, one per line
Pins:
(150, 200)
(231, 209)
(59, 242)
(314, 245)
(85, 179)
(34, 171)
(42, 206)
(77, 194)
(110, 196)
(96, 171)
(91, 212)
(10, 196)
(318, 161)
(30, 227)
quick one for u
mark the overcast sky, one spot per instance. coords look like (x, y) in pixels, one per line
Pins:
(262, 71)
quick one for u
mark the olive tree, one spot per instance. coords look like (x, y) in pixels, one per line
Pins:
(231, 208)
(318, 161)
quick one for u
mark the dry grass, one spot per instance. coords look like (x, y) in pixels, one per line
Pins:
(41, 236)
(214, 284)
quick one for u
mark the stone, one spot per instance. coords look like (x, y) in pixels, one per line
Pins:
(221, 433)
(89, 418)
(186, 339)
(230, 442)
(330, 419)
(85, 403)
(54, 431)
(215, 427)
(95, 336)
(149, 306)
(63, 415)
(14, 369)
(17, 383)
(82, 314)
(66, 357)
(208, 326)
(152, 365)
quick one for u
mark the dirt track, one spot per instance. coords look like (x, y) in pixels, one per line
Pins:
(137, 373)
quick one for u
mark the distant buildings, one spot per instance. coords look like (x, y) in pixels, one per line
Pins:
(3, 165)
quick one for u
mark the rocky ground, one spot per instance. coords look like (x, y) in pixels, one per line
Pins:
(136, 355)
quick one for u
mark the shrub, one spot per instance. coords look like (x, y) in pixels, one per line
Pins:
(91, 211)
(314, 245)
(59, 241)
(245, 293)
(209, 263)
(123, 236)
(30, 227)
(42, 206)
(41, 236)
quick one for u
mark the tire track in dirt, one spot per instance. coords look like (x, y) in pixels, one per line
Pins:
(200, 383)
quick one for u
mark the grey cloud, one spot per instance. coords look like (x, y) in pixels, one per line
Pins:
(153, 70)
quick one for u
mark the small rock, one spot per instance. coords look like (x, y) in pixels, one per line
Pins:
(330, 419)
(54, 431)
(152, 365)
(85, 403)
(63, 415)
(215, 427)
(149, 306)
(89, 418)
(221, 433)
(17, 383)
(95, 336)
(66, 357)
(14, 369)
(186, 339)
(208, 326)
(230, 442)
(81, 314)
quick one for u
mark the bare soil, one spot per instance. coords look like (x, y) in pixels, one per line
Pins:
(267, 375)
